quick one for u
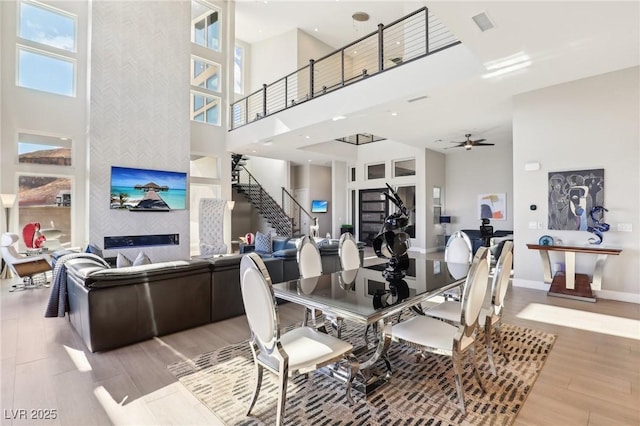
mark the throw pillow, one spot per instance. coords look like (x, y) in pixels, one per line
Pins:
(122, 261)
(94, 249)
(263, 242)
(142, 259)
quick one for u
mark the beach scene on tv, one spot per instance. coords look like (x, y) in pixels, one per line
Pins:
(140, 189)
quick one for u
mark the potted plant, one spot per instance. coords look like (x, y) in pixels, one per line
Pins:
(346, 228)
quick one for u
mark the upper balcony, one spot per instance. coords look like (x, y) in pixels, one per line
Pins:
(407, 39)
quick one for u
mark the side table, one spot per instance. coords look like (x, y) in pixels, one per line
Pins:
(568, 284)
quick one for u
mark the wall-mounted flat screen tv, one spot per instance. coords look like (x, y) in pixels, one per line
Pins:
(319, 206)
(148, 190)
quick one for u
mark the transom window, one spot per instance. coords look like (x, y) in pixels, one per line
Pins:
(205, 108)
(46, 49)
(205, 25)
(42, 149)
(205, 74)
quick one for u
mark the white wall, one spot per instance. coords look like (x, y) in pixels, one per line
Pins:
(310, 47)
(470, 173)
(585, 124)
(320, 189)
(272, 59)
(272, 174)
(138, 112)
(339, 196)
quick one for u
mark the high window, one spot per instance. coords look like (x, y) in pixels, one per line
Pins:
(205, 74)
(205, 108)
(46, 49)
(238, 70)
(205, 25)
(42, 149)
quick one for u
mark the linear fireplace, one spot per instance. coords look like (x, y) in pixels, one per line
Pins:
(124, 241)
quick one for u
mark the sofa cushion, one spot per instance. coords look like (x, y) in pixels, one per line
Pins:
(263, 242)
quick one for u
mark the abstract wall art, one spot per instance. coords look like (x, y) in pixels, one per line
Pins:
(492, 206)
(572, 195)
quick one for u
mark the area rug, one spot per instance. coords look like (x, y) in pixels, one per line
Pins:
(419, 393)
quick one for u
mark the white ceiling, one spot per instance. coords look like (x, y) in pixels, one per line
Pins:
(563, 41)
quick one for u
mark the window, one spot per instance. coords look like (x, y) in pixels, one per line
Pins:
(205, 108)
(205, 25)
(46, 72)
(205, 74)
(47, 63)
(40, 149)
(238, 70)
(46, 200)
(47, 26)
(375, 171)
(404, 168)
(353, 174)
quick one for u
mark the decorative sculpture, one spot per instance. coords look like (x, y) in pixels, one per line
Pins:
(598, 227)
(32, 237)
(391, 244)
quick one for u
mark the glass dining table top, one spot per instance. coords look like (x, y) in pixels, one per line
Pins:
(364, 295)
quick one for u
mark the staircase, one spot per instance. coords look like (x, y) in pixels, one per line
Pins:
(246, 184)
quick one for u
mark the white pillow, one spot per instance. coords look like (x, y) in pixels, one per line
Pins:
(142, 259)
(122, 261)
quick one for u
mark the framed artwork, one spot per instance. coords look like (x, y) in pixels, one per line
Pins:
(572, 195)
(492, 206)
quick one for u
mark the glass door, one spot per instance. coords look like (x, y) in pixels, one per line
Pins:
(374, 208)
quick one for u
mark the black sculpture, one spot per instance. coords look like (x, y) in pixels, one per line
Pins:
(392, 242)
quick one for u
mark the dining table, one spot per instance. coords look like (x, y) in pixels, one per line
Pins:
(364, 296)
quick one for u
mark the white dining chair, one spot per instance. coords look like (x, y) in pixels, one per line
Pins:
(457, 251)
(309, 265)
(348, 252)
(491, 314)
(428, 334)
(298, 351)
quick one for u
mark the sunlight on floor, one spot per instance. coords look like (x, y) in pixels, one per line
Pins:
(79, 359)
(589, 321)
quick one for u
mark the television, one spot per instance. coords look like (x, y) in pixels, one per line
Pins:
(319, 206)
(136, 189)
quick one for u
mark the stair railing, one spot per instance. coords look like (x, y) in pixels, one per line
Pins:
(294, 210)
(265, 203)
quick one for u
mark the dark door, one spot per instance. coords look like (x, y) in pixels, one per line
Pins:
(374, 208)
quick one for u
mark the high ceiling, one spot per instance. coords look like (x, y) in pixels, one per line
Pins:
(560, 41)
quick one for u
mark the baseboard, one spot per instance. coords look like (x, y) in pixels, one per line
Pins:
(618, 295)
(602, 294)
(535, 285)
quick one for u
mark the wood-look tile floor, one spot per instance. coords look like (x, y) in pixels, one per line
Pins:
(591, 378)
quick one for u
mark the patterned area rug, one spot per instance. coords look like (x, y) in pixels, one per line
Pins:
(419, 393)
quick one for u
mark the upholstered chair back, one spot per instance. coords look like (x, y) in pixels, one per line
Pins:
(475, 289)
(309, 260)
(458, 249)
(348, 252)
(211, 226)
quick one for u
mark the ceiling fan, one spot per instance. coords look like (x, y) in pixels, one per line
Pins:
(468, 144)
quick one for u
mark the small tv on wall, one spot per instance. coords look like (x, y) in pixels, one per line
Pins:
(319, 206)
(147, 190)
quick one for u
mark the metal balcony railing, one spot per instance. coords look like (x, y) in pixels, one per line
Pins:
(412, 37)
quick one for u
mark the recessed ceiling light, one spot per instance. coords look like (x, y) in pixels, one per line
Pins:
(64, 139)
(307, 137)
(315, 29)
(483, 21)
(309, 160)
(338, 117)
(394, 113)
(268, 143)
(254, 150)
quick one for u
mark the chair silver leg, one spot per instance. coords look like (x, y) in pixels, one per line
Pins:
(457, 375)
(489, 344)
(500, 342)
(258, 371)
(476, 372)
(283, 377)
(305, 319)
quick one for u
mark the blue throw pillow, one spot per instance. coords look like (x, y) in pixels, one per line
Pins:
(94, 249)
(263, 242)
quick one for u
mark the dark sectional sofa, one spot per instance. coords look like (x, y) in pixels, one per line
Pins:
(113, 307)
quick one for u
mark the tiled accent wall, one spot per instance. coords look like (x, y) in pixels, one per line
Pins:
(139, 112)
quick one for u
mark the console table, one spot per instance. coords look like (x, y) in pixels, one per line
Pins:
(569, 284)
